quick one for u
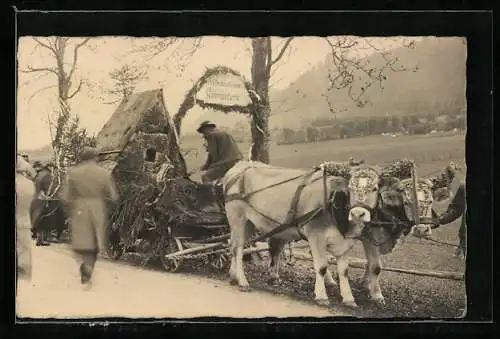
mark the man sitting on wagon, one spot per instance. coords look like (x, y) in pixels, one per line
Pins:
(223, 152)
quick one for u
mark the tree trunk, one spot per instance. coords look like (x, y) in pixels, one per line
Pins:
(260, 81)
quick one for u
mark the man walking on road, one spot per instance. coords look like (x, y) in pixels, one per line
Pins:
(223, 152)
(84, 193)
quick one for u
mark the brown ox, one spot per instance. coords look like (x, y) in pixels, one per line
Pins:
(287, 205)
(393, 220)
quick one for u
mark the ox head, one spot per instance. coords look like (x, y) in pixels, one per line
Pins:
(363, 187)
(388, 220)
(425, 203)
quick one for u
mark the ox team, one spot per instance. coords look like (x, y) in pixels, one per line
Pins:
(84, 200)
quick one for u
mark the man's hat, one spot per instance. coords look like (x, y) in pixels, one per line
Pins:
(205, 124)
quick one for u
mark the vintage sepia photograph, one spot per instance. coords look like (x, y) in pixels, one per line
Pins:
(222, 176)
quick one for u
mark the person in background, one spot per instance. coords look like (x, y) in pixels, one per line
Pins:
(223, 152)
(26, 157)
(39, 209)
(25, 191)
(457, 209)
(86, 192)
(37, 165)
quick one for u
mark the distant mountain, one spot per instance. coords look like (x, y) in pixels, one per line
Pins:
(439, 80)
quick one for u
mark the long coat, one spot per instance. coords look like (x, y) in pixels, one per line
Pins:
(86, 189)
(223, 153)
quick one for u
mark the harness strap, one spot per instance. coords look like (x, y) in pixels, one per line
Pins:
(325, 190)
(291, 219)
(242, 196)
(230, 183)
(292, 212)
(302, 220)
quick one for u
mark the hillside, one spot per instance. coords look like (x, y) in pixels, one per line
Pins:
(439, 80)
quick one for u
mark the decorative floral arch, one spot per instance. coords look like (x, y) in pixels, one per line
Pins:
(190, 99)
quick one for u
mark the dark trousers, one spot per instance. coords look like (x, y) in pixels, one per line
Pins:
(87, 259)
(42, 237)
(217, 172)
(462, 234)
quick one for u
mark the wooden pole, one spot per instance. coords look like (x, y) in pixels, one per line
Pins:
(265, 247)
(193, 249)
(414, 205)
(361, 264)
(110, 152)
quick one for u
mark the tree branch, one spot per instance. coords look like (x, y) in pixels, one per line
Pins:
(76, 90)
(40, 90)
(112, 102)
(75, 57)
(42, 69)
(283, 49)
(47, 46)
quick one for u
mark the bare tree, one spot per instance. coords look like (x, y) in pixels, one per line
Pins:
(344, 73)
(347, 71)
(58, 48)
(262, 64)
(124, 80)
(170, 48)
(357, 74)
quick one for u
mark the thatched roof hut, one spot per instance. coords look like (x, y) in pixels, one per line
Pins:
(140, 136)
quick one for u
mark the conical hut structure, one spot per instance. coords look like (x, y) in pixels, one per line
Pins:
(136, 143)
(138, 138)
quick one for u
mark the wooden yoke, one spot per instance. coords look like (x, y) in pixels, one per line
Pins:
(414, 205)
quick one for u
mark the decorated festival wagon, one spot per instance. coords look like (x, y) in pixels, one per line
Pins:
(164, 214)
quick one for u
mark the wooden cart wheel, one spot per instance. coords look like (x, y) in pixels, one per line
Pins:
(219, 261)
(171, 245)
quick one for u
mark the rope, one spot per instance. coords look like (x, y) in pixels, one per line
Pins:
(441, 242)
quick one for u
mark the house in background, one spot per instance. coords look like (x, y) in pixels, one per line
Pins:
(139, 138)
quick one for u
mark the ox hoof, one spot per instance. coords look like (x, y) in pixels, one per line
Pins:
(245, 289)
(233, 281)
(350, 304)
(323, 302)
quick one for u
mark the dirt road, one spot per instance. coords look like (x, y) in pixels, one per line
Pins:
(120, 290)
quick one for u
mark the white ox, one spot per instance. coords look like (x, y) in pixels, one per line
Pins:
(259, 196)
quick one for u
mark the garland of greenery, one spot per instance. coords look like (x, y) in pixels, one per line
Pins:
(190, 98)
(401, 169)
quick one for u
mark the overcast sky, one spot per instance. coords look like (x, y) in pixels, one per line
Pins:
(108, 53)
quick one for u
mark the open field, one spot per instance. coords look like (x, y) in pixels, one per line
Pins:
(430, 153)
